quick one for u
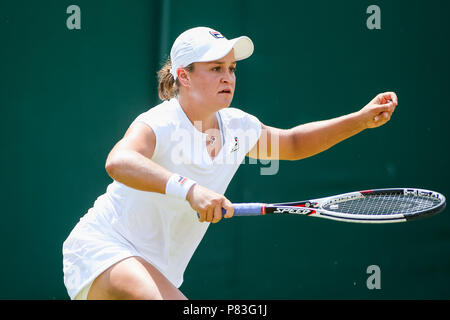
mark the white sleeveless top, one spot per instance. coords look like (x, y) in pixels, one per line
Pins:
(163, 230)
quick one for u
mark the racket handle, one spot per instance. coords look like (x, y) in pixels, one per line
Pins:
(247, 209)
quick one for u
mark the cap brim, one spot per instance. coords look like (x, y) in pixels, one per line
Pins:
(243, 48)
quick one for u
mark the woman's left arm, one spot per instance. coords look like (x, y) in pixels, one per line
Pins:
(306, 140)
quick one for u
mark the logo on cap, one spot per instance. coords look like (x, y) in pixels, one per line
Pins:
(216, 34)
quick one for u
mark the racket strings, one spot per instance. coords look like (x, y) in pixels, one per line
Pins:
(384, 204)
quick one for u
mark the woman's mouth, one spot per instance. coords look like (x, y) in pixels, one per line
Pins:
(225, 91)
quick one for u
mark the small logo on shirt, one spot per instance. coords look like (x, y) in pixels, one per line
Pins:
(216, 34)
(235, 145)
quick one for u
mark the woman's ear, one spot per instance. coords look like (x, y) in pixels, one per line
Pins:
(183, 77)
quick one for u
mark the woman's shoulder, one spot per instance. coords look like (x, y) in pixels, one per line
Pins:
(236, 115)
(162, 114)
(164, 109)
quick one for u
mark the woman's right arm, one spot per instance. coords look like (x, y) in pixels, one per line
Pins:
(129, 163)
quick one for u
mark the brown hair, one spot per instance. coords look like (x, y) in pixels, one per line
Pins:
(167, 85)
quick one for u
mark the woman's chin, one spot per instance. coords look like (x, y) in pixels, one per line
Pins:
(225, 101)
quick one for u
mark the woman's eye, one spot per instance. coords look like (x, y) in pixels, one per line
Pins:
(219, 69)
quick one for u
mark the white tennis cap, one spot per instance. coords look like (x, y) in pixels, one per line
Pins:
(203, 44)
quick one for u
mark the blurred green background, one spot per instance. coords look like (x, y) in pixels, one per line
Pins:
(67, 96)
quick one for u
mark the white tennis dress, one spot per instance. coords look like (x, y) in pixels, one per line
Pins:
(163, 230)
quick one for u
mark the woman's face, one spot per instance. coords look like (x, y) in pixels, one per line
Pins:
(213, 83)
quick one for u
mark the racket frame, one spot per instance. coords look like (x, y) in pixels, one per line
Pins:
(315, 207)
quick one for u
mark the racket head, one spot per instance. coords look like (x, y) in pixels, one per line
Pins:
(383, 205)
(371, 206)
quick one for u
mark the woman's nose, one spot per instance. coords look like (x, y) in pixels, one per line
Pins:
(228, 77)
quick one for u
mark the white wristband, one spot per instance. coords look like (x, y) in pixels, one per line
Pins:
(178, 186)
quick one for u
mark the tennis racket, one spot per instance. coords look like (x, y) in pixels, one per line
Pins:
(370, 206)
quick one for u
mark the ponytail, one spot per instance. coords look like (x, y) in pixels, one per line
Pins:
(167, 85)
(167, 88)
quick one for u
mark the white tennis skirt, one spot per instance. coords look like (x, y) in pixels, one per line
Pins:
(91, 248)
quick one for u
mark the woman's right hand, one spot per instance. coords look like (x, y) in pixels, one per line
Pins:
(209, 204)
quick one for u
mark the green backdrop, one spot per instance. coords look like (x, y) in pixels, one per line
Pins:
(67, 96)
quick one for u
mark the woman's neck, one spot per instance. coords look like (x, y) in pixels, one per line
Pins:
(202, 117)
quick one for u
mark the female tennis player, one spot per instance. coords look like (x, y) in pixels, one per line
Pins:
(172, 167)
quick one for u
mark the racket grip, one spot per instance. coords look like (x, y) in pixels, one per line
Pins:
(247, 209)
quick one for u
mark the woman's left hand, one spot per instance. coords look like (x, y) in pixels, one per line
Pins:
(379, 110)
